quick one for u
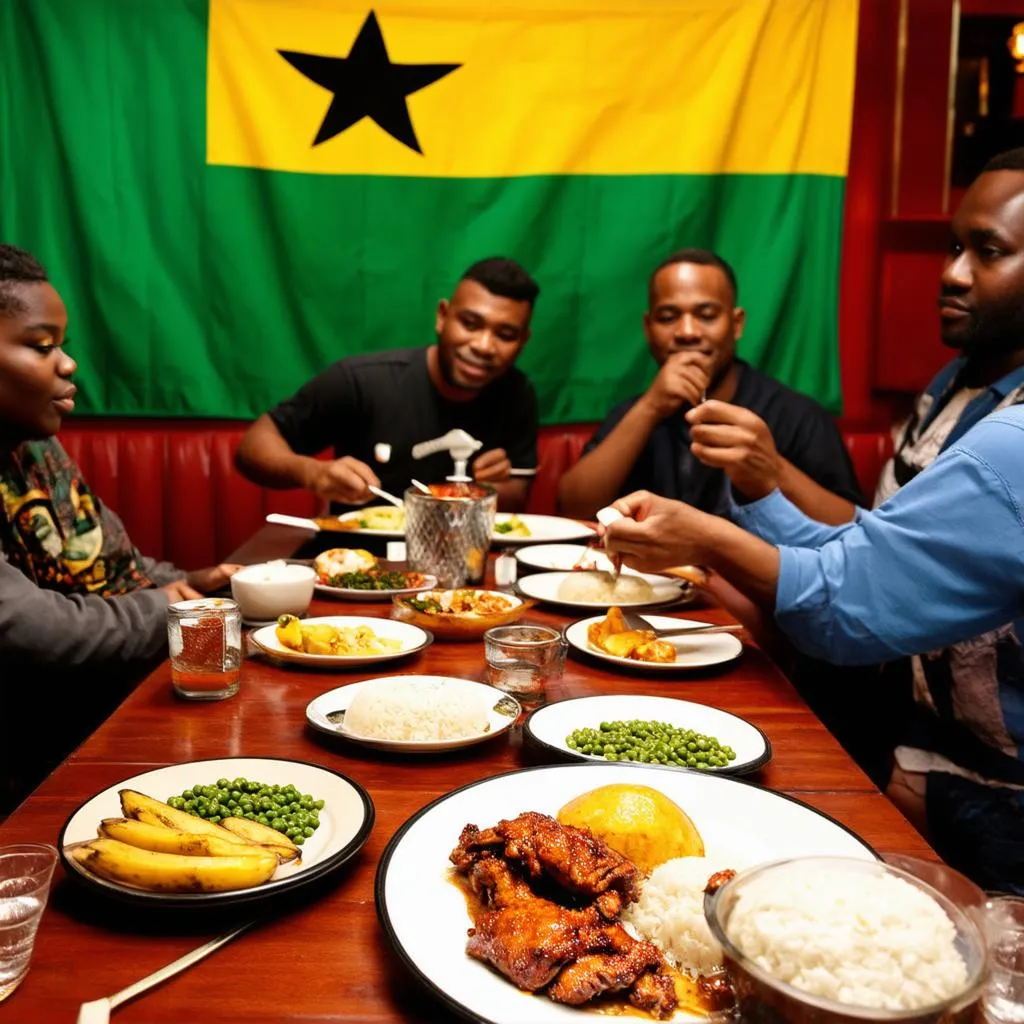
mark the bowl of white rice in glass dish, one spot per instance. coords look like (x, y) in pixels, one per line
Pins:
(832, 940)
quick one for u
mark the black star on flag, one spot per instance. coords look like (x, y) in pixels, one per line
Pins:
(367, 84)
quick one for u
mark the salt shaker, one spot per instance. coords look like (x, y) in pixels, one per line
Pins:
(506, 569)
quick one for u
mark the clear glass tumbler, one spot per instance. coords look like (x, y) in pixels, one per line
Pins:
(449, 537)
(25, 873)
(523, 659)
(1004, 931)
(205, 640)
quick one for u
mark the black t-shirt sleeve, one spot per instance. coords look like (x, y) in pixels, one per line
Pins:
(815, 446)
(309, 420)
(608, 424)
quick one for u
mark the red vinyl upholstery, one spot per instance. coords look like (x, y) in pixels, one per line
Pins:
(174, 482)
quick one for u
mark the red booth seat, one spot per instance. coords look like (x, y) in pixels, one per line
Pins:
(175, 485)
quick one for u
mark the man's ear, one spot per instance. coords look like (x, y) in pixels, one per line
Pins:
(739, 319)
(526, 337)
(442, 313)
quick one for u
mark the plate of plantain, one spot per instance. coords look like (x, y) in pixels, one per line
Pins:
(135, 842)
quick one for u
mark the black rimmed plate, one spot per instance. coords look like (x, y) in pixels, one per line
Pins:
(739, 822)
(345, 824)
(549, 727)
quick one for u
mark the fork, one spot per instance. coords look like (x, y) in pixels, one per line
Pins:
(98, 1011)
(635, 621)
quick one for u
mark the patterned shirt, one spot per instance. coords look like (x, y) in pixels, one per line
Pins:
(56, 532)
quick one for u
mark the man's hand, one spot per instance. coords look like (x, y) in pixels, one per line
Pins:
(343, 480)
(179, 590)
(739, 442)
(682, 380)
(492, 466)
(658, 532)
(212, 578)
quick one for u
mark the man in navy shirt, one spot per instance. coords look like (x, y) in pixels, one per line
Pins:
(752, 434)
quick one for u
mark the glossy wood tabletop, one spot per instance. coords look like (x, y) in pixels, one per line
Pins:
(321, 954)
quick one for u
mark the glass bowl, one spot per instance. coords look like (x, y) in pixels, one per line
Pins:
(761, 997)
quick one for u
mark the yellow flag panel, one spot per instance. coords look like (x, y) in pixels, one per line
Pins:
(543, 87)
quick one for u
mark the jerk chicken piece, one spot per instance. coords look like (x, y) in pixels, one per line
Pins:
(572, 857)
(534, 942)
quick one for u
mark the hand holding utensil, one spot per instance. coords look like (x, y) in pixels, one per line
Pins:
(98, 1011)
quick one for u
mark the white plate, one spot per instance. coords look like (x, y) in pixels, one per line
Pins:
(694, 652)
(412, 638)
(345, 823)
(565, 557)
(359, 513)
(503, 710)
(550, 726)
(738, 822)
(543, 586)
(354, 594)
(542, 529)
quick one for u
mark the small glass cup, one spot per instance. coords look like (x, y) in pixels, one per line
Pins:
(25, 873)
(523, 659)
(1004, 930)
(205, 640)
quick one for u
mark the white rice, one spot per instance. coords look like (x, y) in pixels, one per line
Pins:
(851, 936)
(416, 709)
(670, 913)
(603, 588)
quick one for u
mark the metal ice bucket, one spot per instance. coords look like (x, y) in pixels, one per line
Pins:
(448, 537)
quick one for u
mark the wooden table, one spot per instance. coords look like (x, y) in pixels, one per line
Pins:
(322, 956)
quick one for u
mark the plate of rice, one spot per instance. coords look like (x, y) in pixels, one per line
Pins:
(414, 714)
(597, 589)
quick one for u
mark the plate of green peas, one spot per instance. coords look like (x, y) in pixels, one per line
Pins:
(649, 730)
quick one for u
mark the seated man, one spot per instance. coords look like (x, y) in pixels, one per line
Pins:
(399, 398)
(940, 562)
(76, 597)
(752, 431)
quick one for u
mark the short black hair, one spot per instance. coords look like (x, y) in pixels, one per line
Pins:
(505, 277)
(702, 257)
(1010, 160)
(16, 267)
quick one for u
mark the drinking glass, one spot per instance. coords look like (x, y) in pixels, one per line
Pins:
(205, 640)
(25, 873)
(523, 659)
(1004, 930)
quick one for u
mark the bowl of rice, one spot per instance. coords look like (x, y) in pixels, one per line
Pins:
(834, 940)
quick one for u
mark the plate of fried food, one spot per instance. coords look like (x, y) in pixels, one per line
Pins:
(339, 641)
(224, 831)
(353, 574)
(649, 730)
(609, 638)
(461, 614)
(557, 893)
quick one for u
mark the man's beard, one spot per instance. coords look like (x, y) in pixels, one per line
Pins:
(992, 334)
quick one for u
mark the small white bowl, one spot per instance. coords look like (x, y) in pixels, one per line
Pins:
(270, 589)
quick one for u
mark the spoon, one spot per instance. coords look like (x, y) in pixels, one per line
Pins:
(422, 487)
(397, 502)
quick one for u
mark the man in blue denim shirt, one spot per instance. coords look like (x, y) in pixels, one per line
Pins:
(958, 774)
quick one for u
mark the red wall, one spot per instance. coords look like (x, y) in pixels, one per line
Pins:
(896, 231)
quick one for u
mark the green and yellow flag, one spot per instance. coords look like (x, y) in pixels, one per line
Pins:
(231, 194)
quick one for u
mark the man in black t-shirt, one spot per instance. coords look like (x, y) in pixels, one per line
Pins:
(372, 409)
(745, 430)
